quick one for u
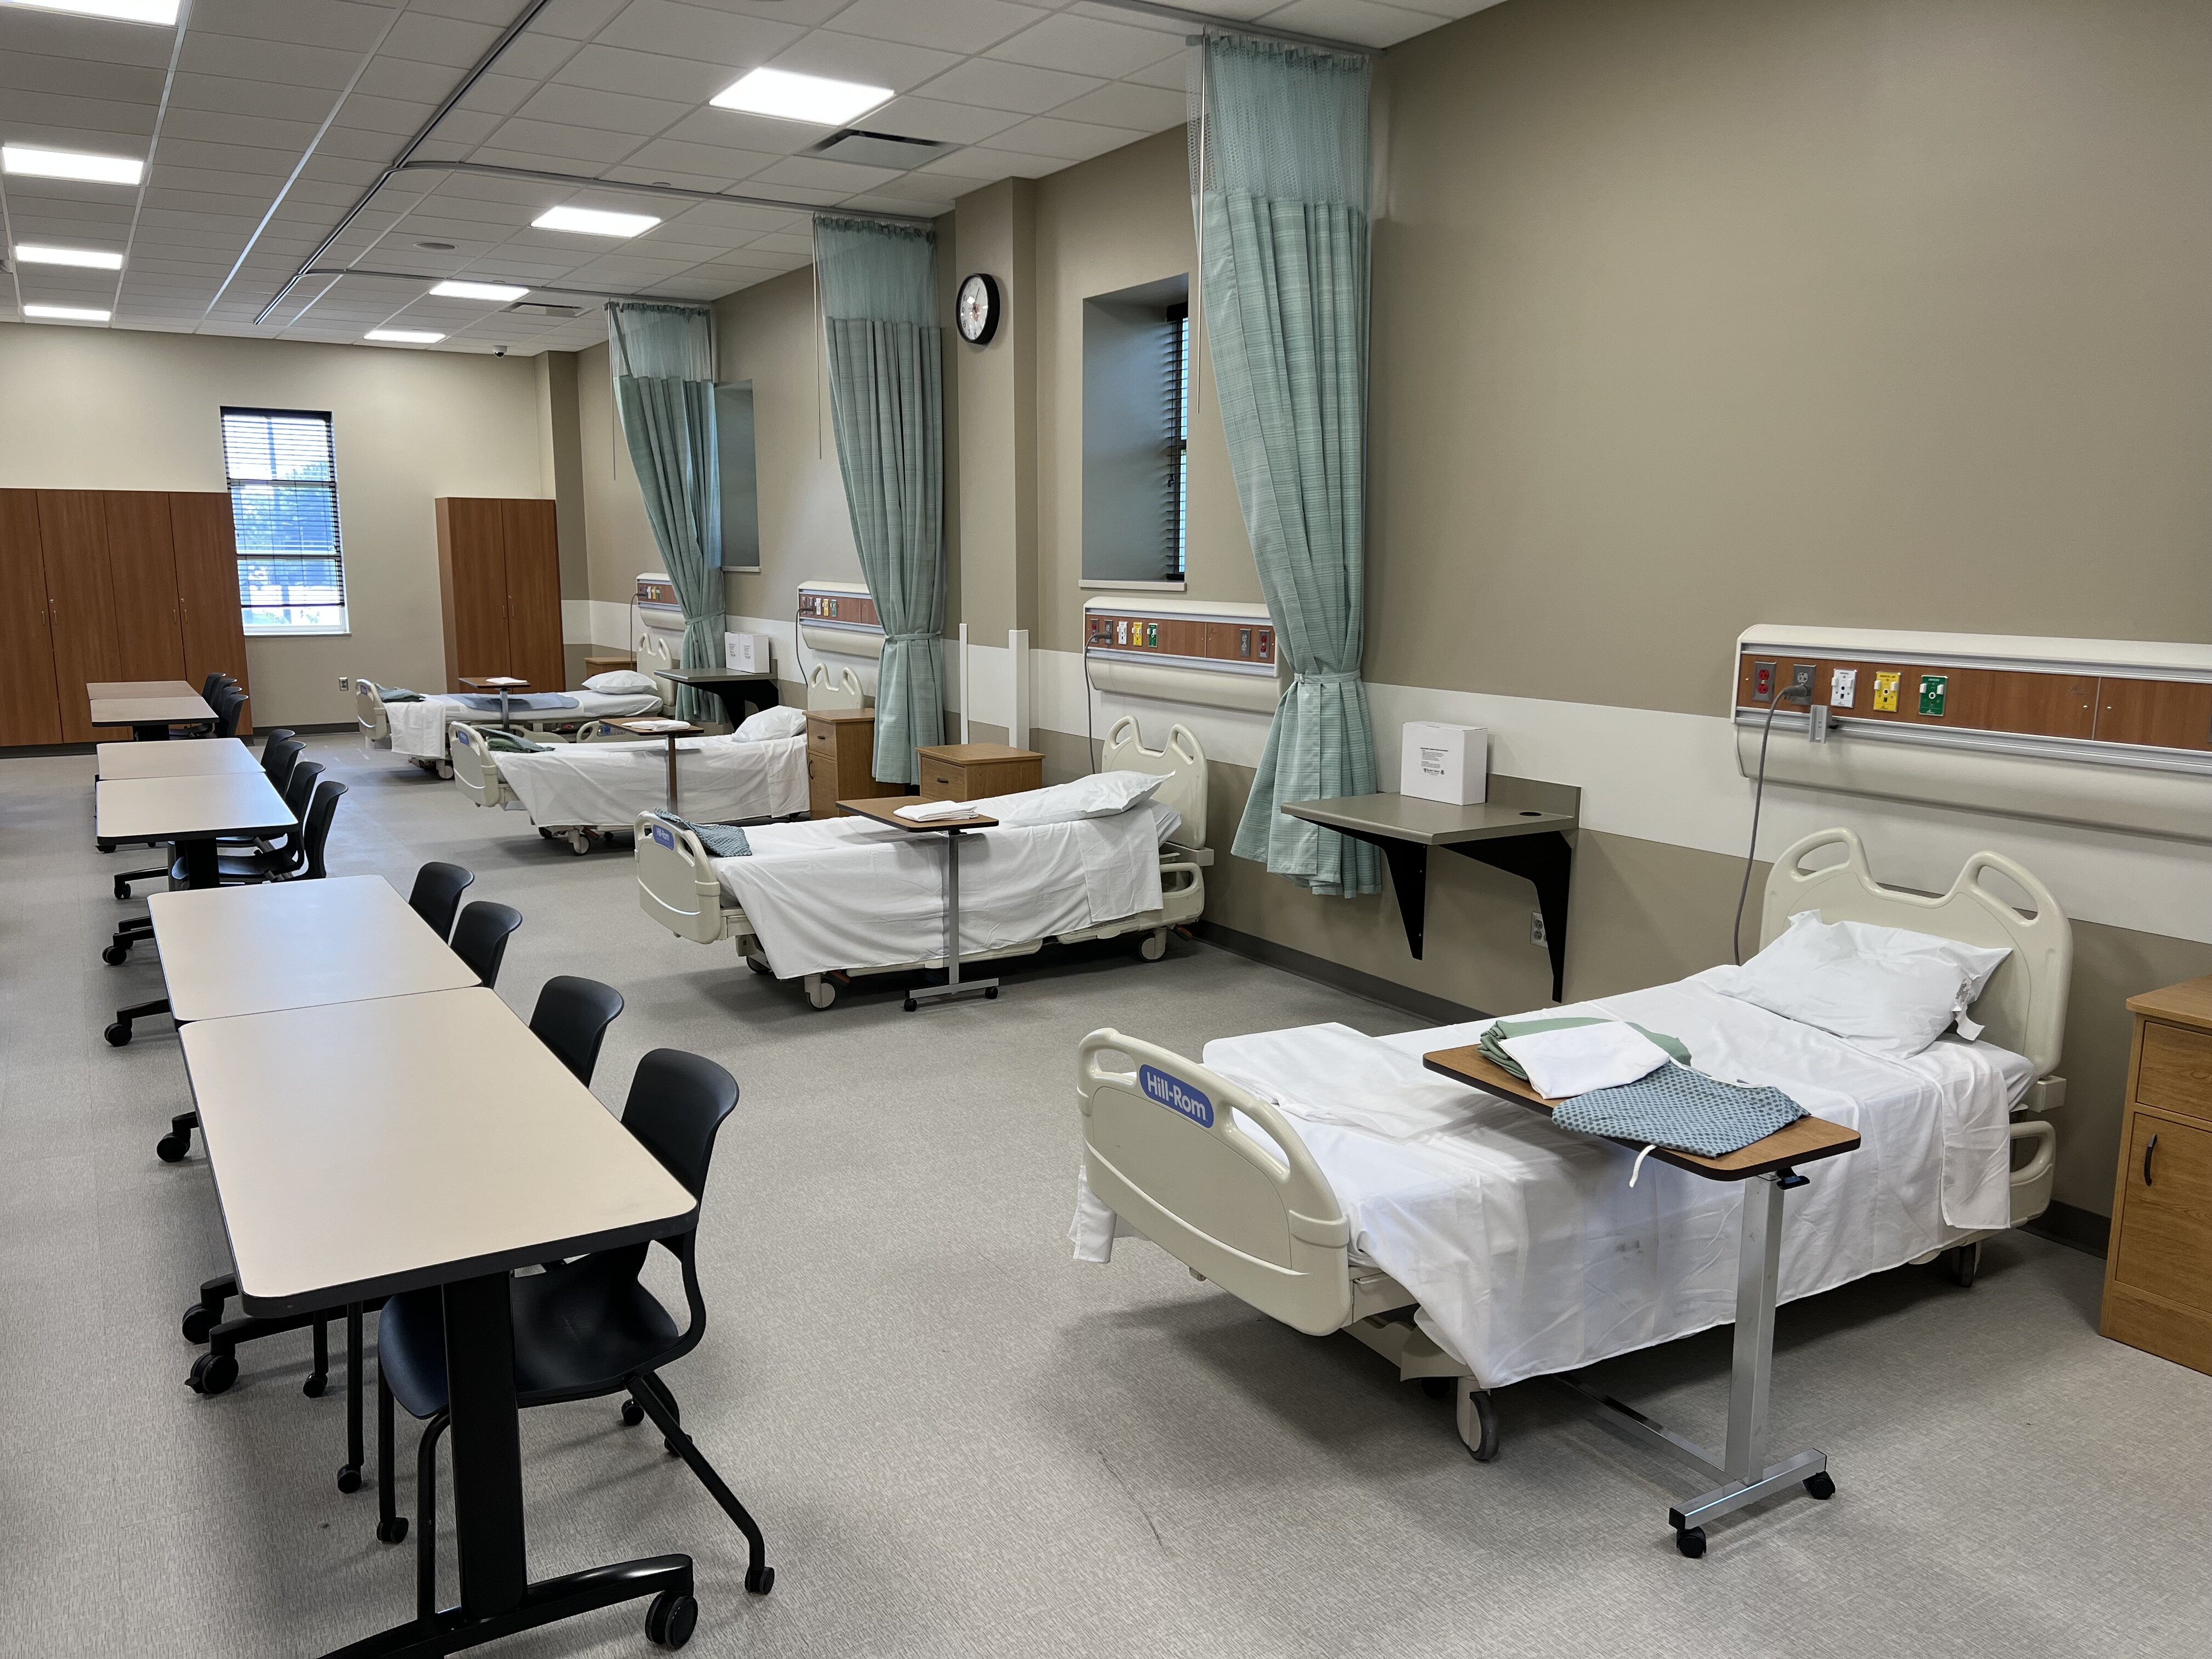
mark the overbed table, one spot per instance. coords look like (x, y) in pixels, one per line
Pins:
(505, 684)
(884, 810)
(670, 730)
(735, 689)
(364, 1148)
(149, 707)
(1743, 1475)
(202, 757)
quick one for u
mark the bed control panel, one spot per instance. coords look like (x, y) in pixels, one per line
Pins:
(838, 607)
(840, 619)
(1229, 643)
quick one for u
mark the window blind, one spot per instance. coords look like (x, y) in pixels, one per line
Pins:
(283, 475)
(1176, 384)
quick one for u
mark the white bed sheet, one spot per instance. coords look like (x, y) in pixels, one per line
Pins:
(418, 729)
(848, 893)
(719, 780)
(1529, 1251)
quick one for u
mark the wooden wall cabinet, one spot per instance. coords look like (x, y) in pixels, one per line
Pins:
(499, 590)
(110, 585)
(2158, 1272)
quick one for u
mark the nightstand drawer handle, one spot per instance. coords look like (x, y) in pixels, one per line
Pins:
(2147, 1151)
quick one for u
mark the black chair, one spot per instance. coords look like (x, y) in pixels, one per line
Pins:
(582, 1331)
(481, 935)
(267, 862)
(437, 895)
(571, 1018)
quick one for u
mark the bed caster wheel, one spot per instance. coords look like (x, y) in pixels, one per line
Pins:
(821, 993)
(211, 1373)
(911, 1005)
(1154, 944)
(543, 834)
(116, 955)
(316, 1383)
(1821, 1485)
(1436, 1387)
(445, 770)
(758, 966)
(171, 1147)
(632, 1413)
(198, 1323)
(1965, 1264)
(119, 1034)
(671, 1620)
(1691, 1540)
(579, 841)
(393, 1531)
(1478, 1421)
(760, 1580)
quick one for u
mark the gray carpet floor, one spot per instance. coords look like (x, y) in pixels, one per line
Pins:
(960, 1441)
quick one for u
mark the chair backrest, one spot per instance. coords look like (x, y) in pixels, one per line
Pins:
(675, 1107)
(437, 893)
(278, 735)
(572, 1018)
(208, 684)
(318, 830)
(276, 761)
(299, 787)
(480, 938)
(226, 705)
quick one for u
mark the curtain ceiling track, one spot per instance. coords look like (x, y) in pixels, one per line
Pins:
(487, 170)
(534, 287)
(1236, 25)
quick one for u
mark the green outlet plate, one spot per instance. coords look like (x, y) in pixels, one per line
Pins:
(1934, 689)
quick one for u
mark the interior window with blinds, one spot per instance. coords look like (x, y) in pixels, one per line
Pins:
(1136, 435)
(282, 472)
(1176, 338)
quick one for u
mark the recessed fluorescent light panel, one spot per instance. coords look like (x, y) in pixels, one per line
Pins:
(124, 11)
(790, 97)
(67, 314)
(84, 259)
(500, 291)
(594, 221)
(30, 163)
(403, 336)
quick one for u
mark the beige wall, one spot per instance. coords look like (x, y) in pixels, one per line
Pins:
(101, 408)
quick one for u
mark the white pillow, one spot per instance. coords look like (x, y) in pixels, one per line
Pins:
(1887, 990)
(620, 682)
(780, 721)
(1098, 796)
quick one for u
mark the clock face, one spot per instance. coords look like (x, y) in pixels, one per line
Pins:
(978, 310)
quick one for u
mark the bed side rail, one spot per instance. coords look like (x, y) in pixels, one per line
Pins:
(368, 715)
(1162, 1150)
(675, 885)
(475, 769)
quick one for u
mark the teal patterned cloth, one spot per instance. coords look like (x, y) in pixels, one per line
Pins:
(887, 400)
(1281, 175)
(1685, 1110)
(397, 694)
(724, 841)
(663, 365)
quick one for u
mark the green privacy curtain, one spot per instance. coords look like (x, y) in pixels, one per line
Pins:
(663, 358)
(886, 394)
(1279, 177)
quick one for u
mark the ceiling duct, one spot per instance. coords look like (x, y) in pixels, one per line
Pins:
(546, 308)
(878, 149)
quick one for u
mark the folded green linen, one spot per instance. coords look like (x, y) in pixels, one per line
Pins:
(1492, 1041)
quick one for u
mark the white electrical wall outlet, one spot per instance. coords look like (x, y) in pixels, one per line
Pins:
(1536, 933)
(345, 683)
(1843, 688)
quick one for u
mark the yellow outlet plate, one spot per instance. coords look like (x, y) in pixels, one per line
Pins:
(1885, 691)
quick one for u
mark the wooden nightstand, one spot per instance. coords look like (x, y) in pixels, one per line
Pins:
(841, 744)
(974, 771)
(2158, 1272)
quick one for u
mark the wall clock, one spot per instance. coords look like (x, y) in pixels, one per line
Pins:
(978, 309)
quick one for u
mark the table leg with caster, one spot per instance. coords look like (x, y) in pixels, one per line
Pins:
(119, 1033)
(349, 1472)
(954, 985)
(171, 1147)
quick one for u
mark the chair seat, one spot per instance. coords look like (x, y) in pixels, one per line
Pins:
(579, 1327)
(252, 868)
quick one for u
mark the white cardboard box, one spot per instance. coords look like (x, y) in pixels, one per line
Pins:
(1449, 763)
(746, 654)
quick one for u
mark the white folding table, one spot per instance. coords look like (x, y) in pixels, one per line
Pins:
(149, 707)
(193, 811)
(201, 757)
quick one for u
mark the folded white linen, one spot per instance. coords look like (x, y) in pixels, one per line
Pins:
(929, 811)
(1576, 1059)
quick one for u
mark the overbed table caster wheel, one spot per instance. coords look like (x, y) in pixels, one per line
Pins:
(212, 1373)
(393, 1531)
(671, 1620)
(171, 1147)
(1691, 1540)
(349, 1478)
(1821, 1485)
(119, 1034)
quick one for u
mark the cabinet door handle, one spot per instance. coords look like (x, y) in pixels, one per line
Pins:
(2147, 1151)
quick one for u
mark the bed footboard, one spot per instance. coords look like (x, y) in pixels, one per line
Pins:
(676, 885)
(475, 769)
(1162, 1150)
(368, 715)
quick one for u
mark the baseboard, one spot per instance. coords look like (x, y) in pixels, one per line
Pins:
(1438, 1011)
(2078, 1229)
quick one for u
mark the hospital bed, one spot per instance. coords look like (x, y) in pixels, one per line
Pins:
(680, 887)
(599, 784)
(1489, 1246)
(420, 731)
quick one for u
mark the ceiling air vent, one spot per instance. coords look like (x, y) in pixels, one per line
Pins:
(546, 308)
(878, 149)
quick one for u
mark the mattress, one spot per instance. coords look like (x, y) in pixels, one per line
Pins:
(1530, 1252)
(840, 893)
(418, 729)
(719, 780)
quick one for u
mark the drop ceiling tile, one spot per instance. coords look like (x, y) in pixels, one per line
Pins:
(729, 129)
(645, 74)
(497, 13)
(995, 85)
(812, 173)
(920, 208)
(348, 27)
(630, 175)
(872, 63)
(1168, 74)
(919, 187)
(1085, 45)
(1358, 20)
(611, 111)
(216, 180)
(545, 139)
(400, 117)
(250, 159)
(449, 42)
(720, 220)
(961, 26)
(230, 94)
(216, 127)
(1125, 104)
(78, 78)
(280, 61)
(784, 241)
(577, 20)
(401, 77)
(344, 170)
(536, 56)
(705, 35)
(1019, 164)
(48, 33)
(931, 118)
(351, 142)
(1242, 11)
(726, 165)
(473, 188)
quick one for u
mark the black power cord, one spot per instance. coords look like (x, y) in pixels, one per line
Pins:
(1758, 799)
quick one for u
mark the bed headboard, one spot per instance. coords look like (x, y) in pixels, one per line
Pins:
(2024, 1004)
(1182, 763)
(843, 692)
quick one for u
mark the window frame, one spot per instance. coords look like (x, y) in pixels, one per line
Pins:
(241, 557)
(1178, 321)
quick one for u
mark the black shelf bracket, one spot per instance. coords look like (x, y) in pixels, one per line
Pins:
(1545, 858)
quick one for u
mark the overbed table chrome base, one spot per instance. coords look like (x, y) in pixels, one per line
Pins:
(1742, 1469)
(954, 985)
